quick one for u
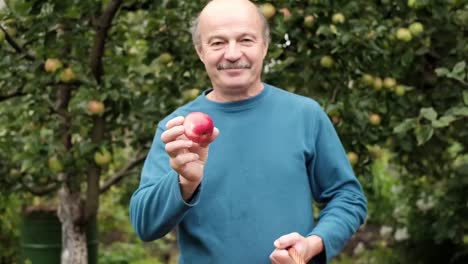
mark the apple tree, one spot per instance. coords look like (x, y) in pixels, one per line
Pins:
(83, 85)
(392, 76)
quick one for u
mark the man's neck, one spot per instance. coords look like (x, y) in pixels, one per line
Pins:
(218, 95)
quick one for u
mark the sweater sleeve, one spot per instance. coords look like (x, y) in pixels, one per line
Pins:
(335, 186)
(157, 206)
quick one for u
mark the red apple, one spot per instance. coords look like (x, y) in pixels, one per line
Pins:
(286, 14)
(96, 107)
(198, 127)
(52, 65)
(353, 158)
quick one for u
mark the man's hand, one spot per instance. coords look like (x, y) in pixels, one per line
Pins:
(186, 157)
(306, 247)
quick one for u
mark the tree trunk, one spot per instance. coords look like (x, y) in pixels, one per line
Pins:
(71, 214)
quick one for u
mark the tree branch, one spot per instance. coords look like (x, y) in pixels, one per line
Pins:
(16, 46)
(39, 191)
(94, 171)
(63, 99)
(121, 174)
(103, 26)
(333, 97)
(12, 95)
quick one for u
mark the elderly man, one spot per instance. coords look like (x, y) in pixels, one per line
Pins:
(271, 155)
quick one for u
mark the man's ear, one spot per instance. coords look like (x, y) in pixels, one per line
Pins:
(265, 50)
(199, 53)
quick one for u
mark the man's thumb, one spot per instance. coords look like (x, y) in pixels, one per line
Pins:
(287, 240)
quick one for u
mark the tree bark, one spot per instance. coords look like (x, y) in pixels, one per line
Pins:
(74, 241)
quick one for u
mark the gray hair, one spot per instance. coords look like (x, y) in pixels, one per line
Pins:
(194, 29)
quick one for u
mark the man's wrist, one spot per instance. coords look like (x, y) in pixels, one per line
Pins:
(187, 188)
(315, 246)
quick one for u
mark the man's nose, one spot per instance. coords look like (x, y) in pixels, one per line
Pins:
(233, 52)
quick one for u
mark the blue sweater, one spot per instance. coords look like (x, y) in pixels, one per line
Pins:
(276, 153)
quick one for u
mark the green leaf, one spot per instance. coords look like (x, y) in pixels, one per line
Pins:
(443, 121)
(442, 72)
(404, 126)
(428, 113)
(19, 7)
(465, 97)
(459, 68)
(458, 111)
(423, 134)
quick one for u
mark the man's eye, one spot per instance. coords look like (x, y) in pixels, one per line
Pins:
(247, 40)
(217, 43)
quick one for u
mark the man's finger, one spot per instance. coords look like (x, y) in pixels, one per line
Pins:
(177, 121)
(296, 256)
(182, 159)
(281, 256)
(173, 148)
(172, 133)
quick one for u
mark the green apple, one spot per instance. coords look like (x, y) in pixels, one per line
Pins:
(165, 58)
(412, 3)
(67, 75)
(400, 90)
(416, 28)
(54, 164)
(268, 10)
(327, 61)
(309, 21)
(338, 18)
(191, 94)
(404, 34)
(389, 82)
(375, 119)
(377, 84)
(367, 79)
(102, 158)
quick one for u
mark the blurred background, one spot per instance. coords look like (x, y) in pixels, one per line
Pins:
(84, 83)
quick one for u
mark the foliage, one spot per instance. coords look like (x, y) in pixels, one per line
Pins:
(411, 159)
(123, 253)
(118, 242)
(9, 227)
(375, 256)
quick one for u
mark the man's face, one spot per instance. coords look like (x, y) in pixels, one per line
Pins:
(232, 46)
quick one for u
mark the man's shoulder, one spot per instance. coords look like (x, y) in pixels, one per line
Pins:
(294, 99)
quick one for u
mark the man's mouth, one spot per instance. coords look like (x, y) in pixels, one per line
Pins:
(233, 66)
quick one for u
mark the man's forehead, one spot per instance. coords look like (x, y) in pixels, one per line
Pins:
(240, 32)
(218, 8)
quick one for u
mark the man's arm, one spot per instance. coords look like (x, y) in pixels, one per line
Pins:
(334, 185)
(170, 182)
(157, 206)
